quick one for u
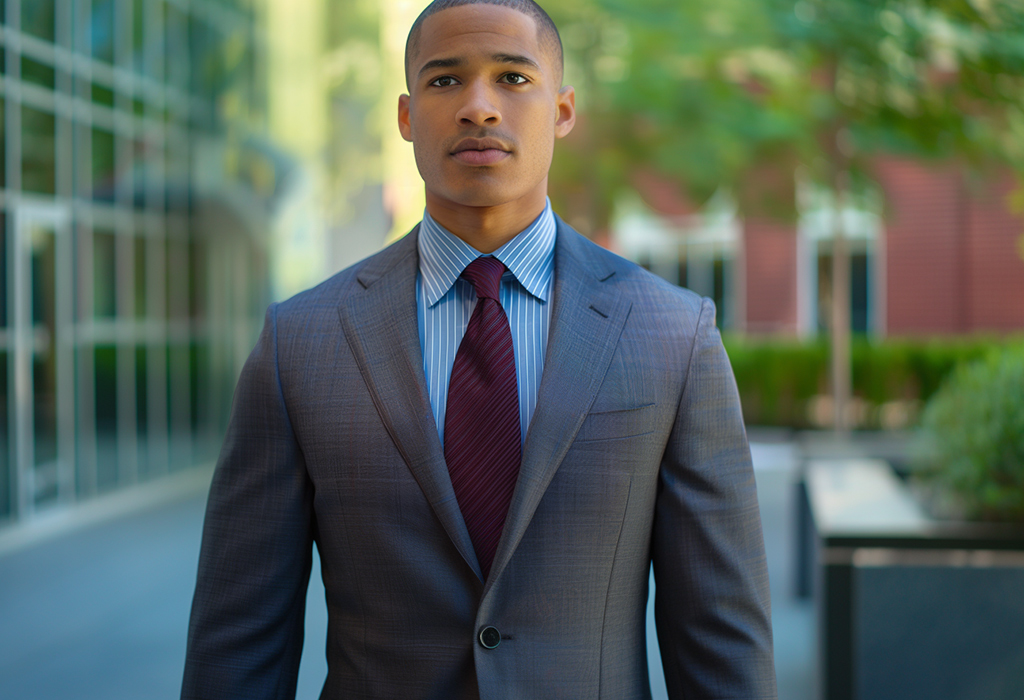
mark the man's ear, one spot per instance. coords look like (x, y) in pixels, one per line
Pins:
(404, 126)
(565, 117)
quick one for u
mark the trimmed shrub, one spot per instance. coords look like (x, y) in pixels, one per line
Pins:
(778, 379)
(974, 429)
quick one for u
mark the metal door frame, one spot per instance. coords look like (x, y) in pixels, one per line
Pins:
(26, 218)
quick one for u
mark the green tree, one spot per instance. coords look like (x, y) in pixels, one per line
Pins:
(739, 93)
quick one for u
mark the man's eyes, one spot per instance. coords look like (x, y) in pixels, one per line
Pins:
(508, 78)
(514, 78)
(443, 81)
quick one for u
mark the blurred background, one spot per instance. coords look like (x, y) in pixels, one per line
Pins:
(843, 178)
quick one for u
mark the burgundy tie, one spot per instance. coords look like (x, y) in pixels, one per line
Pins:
(482, 440)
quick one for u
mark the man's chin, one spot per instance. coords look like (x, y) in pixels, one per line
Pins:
(474, 198)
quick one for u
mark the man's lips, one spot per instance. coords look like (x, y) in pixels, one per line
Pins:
(480, 151)
(487, 156)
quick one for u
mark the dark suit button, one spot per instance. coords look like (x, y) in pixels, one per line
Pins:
(490, 637)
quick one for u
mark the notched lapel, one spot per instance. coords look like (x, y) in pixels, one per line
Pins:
(381, 328)
(587, 318)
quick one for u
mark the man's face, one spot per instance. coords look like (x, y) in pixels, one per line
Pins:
(484, 108)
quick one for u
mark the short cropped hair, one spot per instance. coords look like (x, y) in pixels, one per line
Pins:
(547, 31)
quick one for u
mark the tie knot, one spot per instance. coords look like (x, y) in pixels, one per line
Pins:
(485, 276)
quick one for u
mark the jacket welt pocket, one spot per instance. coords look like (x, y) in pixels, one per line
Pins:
(612, 425)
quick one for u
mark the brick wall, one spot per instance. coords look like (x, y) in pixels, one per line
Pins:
(924, 212)
(952, 264)
(995, 274)
(953, 258)
(770, 260)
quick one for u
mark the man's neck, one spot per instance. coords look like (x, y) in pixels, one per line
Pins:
(485, 228)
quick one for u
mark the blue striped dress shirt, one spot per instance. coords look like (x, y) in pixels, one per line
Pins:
(445, 301)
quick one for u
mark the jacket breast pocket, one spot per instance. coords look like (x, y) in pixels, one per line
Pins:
(618, 424)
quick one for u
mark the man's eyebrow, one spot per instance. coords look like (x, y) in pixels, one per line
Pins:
(516, 59)
(440, 63)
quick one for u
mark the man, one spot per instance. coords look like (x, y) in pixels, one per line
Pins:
(487, 459)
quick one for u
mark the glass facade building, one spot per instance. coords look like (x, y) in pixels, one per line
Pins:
(133, 255)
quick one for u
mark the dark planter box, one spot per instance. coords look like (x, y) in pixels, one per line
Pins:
(908, 607)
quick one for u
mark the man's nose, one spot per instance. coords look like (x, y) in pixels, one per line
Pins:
(479, 107)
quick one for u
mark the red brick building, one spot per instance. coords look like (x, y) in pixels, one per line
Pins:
(936, 253)
(955, 261)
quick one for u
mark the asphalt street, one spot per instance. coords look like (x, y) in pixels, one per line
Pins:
(94, 601)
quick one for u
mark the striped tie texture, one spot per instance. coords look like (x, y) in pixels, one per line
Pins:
(482, 440)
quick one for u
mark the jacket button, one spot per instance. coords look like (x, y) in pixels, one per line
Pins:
(489, 637)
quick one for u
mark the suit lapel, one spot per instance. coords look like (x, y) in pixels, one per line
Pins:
(587, 317)
(381, 327)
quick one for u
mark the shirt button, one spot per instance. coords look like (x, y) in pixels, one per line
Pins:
(489, 637)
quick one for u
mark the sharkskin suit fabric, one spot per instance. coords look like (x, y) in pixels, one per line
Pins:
(636, 452)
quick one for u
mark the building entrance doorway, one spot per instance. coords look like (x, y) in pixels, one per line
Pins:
(40, 356)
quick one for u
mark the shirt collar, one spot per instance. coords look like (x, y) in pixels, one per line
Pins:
(529, 256)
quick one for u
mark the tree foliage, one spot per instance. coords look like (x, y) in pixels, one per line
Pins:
(711, 93)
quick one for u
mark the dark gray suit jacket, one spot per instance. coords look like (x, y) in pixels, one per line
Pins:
(637, 452)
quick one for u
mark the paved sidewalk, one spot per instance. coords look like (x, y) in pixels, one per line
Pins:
(95, 607)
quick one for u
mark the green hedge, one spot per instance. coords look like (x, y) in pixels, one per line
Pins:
(974, 427)
(780, 379)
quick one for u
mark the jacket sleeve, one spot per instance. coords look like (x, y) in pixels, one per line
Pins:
(246, 629)
(711, 597)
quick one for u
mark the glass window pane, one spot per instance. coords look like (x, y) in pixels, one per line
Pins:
(81, 253)
(38, 151)
(176, 288)
(141, 405)
(38, 73)
(824, 291)
(3, 139)
(140, 163)
(106, 416)
(101, 30)
(859, 291)
(5, 474)
(3, 278)
(196, 279)
(157, 303)
(138, 35)
(198, 381)
(104, 274)
(176, 32)
(37, 18)
(154, 38)
(103, 164)
(43, 280)
(176, 170)
(102, 95)
(140, 277)
(178, 405)
(44, 356)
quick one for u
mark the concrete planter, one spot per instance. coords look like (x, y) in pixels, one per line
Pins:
(908, 607)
